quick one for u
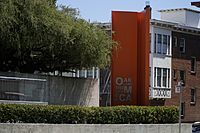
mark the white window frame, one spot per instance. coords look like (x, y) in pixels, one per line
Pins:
(159, 44)
(168, 84)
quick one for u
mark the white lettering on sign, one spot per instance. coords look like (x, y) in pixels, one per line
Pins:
(123, 89)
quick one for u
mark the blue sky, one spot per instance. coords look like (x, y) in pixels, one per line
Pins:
(100, 10)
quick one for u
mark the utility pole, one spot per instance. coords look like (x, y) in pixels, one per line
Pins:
(180, 102)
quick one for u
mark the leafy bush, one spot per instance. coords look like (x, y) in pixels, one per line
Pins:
(90, 115)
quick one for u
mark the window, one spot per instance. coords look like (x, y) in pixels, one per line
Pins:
(182, 109)
(159, 43)
(175, 42)
(162, 44)
(168, 78)
(174, 74)
(182, 45)
(155, 42)
(155, 79)
(182, 76)
(192, 96)
(193, 65)
(158, 77)
(162, 77)
(168, 45)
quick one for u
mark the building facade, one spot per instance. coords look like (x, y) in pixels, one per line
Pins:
(184, 26)
(160, 61)
(186, 68)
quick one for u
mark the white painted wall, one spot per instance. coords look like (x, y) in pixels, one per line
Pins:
(174, 16)
(184, 17)
(162, 61)
(193, 19)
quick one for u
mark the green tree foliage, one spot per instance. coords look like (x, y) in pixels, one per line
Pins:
(34, 35)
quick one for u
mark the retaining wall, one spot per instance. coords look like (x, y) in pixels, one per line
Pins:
(49, 89)
(94, 128)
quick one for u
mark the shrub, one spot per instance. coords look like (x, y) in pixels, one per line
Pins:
(10, 113)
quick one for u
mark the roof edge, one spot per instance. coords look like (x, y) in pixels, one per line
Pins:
(178, 9)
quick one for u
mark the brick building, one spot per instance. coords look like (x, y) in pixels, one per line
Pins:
(186, 67)
(184, 31)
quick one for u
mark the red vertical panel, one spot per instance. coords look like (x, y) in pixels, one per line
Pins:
(124, 59)
(130, 61)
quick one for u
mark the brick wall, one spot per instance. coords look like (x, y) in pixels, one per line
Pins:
(192, 111)
(182, 61)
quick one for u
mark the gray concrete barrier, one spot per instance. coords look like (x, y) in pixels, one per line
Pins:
(54, 90)
(93, 128)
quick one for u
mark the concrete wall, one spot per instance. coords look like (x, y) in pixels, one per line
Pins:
(55, 90)
(94, 128)
(73, 91)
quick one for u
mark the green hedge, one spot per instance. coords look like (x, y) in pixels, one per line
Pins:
(90, 115)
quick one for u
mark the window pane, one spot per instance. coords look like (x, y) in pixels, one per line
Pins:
(182, 45)
(193, 64)
(182, 76)
(192, 97)
(182, 108)
(155, 77)
(164, 77)
(159, 38)
(159, 43)
(168, 45)
(168, 78)
(164, 44)
(159, 77)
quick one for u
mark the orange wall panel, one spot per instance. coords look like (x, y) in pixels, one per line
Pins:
(124, 58)
(130, 61)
